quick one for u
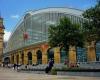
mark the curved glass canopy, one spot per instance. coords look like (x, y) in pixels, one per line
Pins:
(33, 28)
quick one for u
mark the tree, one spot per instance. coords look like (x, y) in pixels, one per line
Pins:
(91, 28)
(66, 34)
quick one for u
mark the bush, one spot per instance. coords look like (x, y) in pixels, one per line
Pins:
(53, 71)
(64, 68)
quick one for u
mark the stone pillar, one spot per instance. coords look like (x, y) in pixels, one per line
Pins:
(15, 59)
(20, 58)
(57, 54)
(44, 54)
(10, 59)
(91, 54)
(72, 54)
(44, 58)
(25, 58)
(34, 57)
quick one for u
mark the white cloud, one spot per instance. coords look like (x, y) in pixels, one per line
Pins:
(15, 16)
(6, 35)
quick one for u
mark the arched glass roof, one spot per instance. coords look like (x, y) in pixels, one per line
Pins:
(34, 25)
(72, 11)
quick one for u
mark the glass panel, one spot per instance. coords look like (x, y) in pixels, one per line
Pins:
(81, 54)
(98, 51)
(63, 55)
(36, 26)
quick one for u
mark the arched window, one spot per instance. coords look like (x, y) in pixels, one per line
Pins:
(39, 57)
(50, 54)
(98, 51)
(7, 60)
(29, 58)
(63, 55)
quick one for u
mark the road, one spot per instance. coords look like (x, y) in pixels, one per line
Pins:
(10, 74)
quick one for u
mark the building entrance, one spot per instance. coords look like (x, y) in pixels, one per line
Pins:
(39, 57)
(29, 58)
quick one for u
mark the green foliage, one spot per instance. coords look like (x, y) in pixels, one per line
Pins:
(65, 33)
(64, 68)
(53, 71)
(91, 26)
(77, 69)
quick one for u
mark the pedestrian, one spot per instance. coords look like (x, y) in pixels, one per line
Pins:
(49, 67)
(26, 66)
(14, 66)
(17, 66)
(66, 62)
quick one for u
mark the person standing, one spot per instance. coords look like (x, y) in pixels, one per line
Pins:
(14, 66)
(49, 67)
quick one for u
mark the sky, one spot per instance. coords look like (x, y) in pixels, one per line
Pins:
(13, 10)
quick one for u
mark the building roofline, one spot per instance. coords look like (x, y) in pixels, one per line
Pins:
(53, 8)
(33, 11)
(37, 10)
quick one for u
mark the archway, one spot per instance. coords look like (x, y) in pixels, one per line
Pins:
(50, 54)
(63, 55)
(39, 57)
(6, 60)
(17, 59)
(29, 58)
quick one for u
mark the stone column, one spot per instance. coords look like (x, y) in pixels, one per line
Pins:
(44, 54)
(20, 58)
(15, 59)
(11, 59)
(34, 57)
(25, 57)
(57, 54)
(44, 58)
(72, 54)
(91, 52)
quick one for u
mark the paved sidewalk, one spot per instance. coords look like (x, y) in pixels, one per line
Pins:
(10, 74)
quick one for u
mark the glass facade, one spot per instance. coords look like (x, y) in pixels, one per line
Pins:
(33, 28)
(63, 55)
(81, 55)
(98, 51)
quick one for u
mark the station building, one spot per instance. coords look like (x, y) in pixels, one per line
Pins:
(1, 38)
(28, 43)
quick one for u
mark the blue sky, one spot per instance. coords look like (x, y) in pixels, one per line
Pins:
(13, 10)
